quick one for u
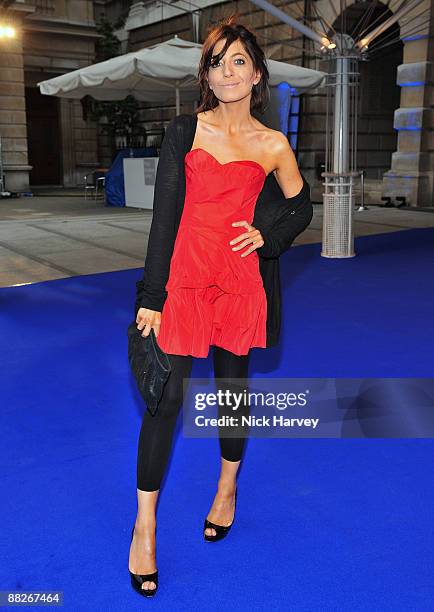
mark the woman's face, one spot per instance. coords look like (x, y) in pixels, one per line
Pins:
(234, 76)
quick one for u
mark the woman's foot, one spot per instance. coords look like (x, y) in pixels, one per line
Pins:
(142, 558)
(223, 508)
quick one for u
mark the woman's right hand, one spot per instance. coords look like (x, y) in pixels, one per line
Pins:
(147, 319)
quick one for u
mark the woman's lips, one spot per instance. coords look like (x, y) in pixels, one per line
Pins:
(230, 85)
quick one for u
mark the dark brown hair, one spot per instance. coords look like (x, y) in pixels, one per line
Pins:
(229, 29)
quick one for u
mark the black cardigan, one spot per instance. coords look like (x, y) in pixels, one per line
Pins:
(280, 220)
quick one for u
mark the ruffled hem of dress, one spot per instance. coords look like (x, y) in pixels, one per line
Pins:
(193, 335)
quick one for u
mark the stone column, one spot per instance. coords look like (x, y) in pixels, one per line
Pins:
(13, 130)
(412, 170)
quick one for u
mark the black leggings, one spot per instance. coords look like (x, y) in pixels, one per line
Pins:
(156, 433)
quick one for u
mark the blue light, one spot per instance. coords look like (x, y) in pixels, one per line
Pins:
(284, 95)
(409, 128)
(412, 84)
(289, 114)
(415, 37)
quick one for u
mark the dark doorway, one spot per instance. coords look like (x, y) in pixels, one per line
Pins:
(43, 135)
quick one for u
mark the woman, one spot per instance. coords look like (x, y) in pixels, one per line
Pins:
(214, 294)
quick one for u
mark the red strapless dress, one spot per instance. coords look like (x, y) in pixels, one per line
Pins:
(214, 296)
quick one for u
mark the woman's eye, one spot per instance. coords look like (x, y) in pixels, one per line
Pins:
(215, 65)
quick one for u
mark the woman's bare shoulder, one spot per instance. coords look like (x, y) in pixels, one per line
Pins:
(272, 138)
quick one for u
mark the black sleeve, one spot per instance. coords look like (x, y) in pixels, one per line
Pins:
(290, 220)
(151, 291)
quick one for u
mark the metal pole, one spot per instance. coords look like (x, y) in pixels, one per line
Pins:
(338, 198)
(340, 132)
(178, 102)
(362, 192)
(285, 18)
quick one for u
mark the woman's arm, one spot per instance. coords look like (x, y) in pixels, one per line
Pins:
(151, 291)
(291, 217)
(294, 212)
(283, 209)
(286, 170)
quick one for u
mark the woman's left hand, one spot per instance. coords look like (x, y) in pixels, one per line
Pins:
(252, 236)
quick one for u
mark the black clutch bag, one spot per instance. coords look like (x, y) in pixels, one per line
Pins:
(149, 364)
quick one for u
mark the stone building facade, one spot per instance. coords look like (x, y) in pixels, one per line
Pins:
(395, 136)
(45, 140)
(395, 127)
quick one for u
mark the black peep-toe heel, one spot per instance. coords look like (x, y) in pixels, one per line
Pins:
(221, 530)
(138, 579)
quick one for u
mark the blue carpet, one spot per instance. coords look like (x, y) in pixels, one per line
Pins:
(338, 524)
